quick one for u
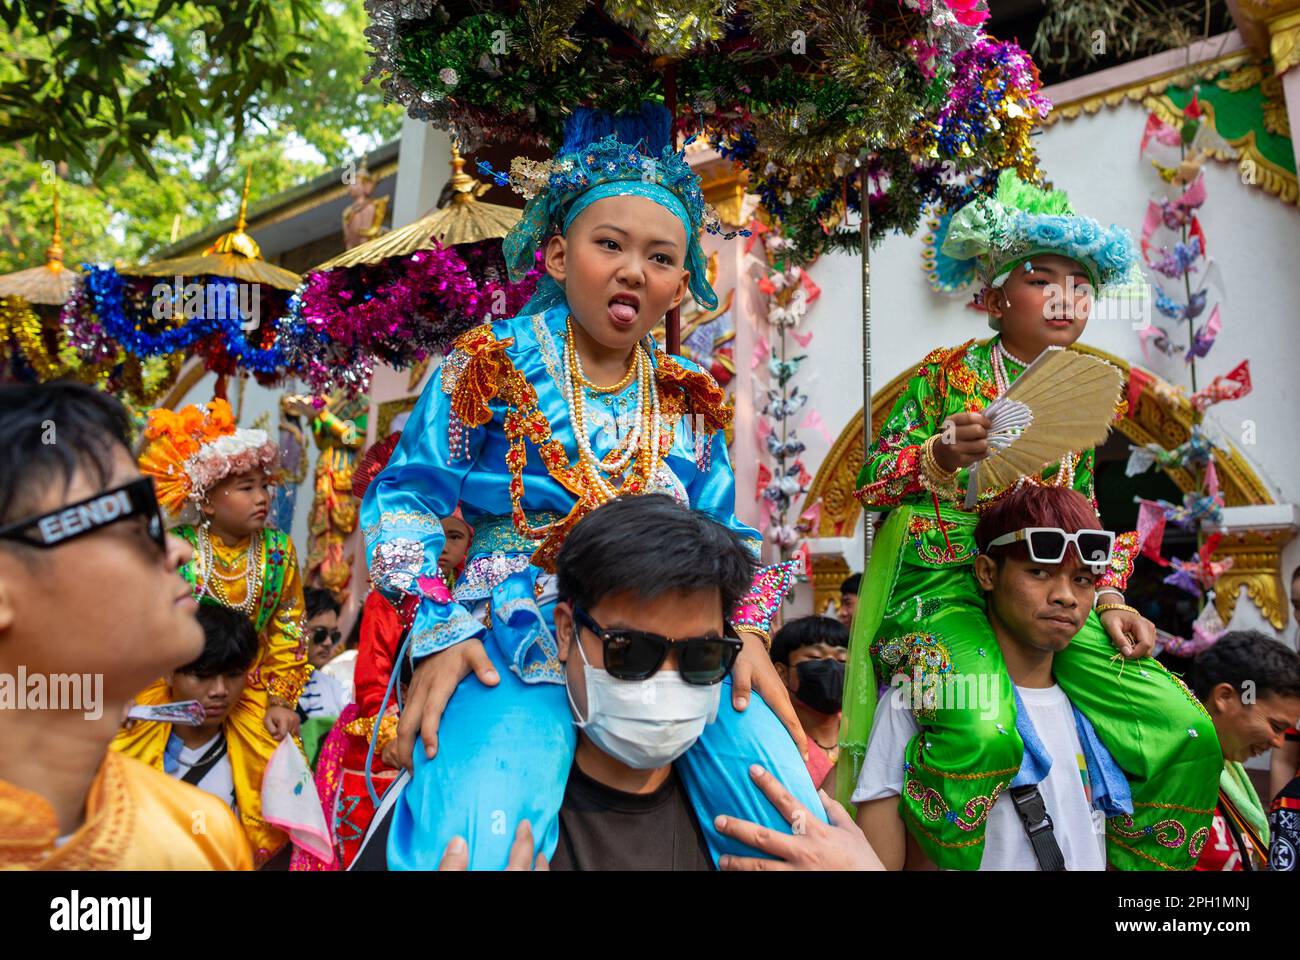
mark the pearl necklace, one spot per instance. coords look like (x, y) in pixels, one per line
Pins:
(1065, 473)
(647, 425)
(1000, 377)
(616, 461)
(212, 584)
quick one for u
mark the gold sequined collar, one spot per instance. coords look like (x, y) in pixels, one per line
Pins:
(28, 827)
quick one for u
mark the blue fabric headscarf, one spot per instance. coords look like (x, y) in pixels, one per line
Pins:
(605, 155)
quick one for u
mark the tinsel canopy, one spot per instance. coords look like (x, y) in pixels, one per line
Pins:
(801, 95)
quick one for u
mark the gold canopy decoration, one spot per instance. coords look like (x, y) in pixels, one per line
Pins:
(235, 255)
(50, 284)
(466, 219)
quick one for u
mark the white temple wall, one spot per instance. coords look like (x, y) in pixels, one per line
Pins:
(1254, 237)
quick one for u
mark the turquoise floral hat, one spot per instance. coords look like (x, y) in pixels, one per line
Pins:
(991, 236)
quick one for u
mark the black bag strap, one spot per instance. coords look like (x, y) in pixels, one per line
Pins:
(1228, 811)
(206, 762)
(1032, 810)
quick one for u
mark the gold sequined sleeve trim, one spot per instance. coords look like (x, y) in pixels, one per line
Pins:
(287, 685)
(364, 726)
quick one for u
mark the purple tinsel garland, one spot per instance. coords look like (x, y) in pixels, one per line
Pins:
(397, 311)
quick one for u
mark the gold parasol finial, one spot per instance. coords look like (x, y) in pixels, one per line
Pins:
(465, 189)
(49, 284)
(54, 252)
(235, 255)
(237, 241)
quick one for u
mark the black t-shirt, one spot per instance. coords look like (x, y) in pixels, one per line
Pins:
(605, 829)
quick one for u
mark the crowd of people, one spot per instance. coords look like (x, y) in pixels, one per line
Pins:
(571, 657)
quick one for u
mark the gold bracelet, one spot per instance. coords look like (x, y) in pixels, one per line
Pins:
(1103, 607)
(933, 476)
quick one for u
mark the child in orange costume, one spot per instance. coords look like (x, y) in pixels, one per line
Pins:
(205, 467)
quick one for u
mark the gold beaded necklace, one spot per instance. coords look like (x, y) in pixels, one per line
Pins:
(647, 432)
(252, 573)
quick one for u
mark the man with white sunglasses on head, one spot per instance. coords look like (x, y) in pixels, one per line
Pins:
(1041, 551)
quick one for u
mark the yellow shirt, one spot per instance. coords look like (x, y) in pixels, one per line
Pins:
(137, 818)
(279, 669)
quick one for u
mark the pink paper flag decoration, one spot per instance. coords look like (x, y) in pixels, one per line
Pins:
(812, 517)
(810, 288)
(814, 422)
(802, 340)
(1151, 530)
(762, 426)
(761, 350)
(1162, 131)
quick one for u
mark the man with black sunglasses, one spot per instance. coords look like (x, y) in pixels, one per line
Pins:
(89, 586)
(645, 585)
(323, 696)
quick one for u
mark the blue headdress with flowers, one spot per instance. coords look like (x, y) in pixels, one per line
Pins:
(991, 236)
(590, 166)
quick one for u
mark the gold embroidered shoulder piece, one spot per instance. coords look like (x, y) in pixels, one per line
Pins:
(690, 391)
(944, 368)
(480, 365)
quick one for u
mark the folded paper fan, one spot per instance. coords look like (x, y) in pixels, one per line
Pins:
(1063, 401)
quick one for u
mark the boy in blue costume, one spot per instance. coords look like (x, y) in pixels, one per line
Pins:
(530, 423)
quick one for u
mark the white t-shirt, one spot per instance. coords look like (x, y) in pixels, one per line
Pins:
(343, 669)
(1079, 831)
(218, 781)
(323, 696)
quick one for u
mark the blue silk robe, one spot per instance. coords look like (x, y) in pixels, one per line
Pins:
(504, 753)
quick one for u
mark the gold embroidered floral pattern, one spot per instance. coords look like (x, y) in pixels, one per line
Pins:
(935, 808)
(287, 684)
(925, 659)
(692, 392)
(478, 379)
(948, 552)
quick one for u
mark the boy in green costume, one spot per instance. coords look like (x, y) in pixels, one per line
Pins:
(920, 612)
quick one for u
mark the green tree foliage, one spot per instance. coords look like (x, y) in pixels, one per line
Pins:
(301, 111)
(1076, 37)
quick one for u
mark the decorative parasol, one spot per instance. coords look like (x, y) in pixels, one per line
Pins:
(35, 306)
(466, 219)
(405, 295)
(234, 255)
(50, 284)
(226, 306)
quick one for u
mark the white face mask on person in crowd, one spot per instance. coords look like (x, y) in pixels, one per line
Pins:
(646, 724)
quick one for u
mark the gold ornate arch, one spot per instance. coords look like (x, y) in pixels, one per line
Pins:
(1166, 420)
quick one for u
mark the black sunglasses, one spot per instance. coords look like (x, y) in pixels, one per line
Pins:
(637, 655)
(53, 529)
(326, 635)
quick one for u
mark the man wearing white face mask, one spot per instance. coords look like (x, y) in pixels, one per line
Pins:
(644, 675)
(643, 586)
